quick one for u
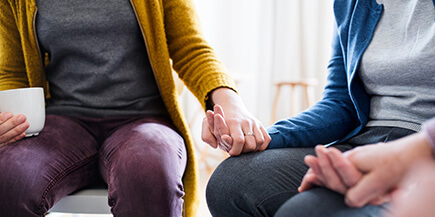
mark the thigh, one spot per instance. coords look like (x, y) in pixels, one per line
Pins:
(326, 203)
(256, 184)
(143, 163)
(38, 171)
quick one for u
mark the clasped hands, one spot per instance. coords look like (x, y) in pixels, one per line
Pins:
(236, 131)
(370, 174)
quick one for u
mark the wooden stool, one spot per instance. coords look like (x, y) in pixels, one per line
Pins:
(307, 86)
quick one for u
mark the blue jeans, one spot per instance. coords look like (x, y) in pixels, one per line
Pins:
(142, 160)
(258, 184)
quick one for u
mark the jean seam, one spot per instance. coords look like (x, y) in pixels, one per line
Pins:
(109, 186)
(60, 176)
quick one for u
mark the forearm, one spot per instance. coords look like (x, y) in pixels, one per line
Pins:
(195, 62)
(323, 123)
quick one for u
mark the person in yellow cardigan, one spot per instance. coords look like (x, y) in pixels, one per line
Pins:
(112, 108)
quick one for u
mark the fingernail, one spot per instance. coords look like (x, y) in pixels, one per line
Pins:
(225, 143)
(25, 126)
(21, 118)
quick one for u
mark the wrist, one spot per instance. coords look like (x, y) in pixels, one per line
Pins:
(224, 97)
(414, 148)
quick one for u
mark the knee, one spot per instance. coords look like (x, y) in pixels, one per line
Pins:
(222, 180)
(21, 195)
(226, 189)
(150, 173)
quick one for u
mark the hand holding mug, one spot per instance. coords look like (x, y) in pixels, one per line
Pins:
(22, 113)
(12, 128)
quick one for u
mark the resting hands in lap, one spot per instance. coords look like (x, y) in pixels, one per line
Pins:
(231, 127)
(367, 174)
(12, 128)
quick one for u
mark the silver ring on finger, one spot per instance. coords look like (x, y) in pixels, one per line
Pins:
(249, 134)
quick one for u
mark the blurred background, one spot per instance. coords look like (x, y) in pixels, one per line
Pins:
(277, 51)
(268, 46)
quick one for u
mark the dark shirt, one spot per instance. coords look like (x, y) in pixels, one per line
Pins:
(99, 65)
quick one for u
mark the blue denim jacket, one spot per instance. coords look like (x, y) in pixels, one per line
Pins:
(344, 108)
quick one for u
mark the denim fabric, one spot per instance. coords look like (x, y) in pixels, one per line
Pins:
(322, 202)
(142, 159)
(258, 184)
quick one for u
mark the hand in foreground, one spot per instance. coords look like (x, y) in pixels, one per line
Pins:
(417, 193)
(330, 169)
(12, 128)
(231, 126)
(381, 168)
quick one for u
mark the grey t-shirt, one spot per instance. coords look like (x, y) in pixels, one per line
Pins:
(398, 67)
(99, 65)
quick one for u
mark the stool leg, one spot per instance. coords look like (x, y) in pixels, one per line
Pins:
(275, 104)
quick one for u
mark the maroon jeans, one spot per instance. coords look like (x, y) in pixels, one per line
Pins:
(142, 160)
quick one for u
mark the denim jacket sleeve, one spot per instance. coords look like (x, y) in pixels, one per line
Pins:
(333, 117)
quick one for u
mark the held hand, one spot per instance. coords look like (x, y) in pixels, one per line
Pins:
(12, 128)
(246, 134)
(224, 130)
(233, 126)
(214, 122)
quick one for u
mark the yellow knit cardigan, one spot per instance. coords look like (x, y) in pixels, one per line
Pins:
(171, 32)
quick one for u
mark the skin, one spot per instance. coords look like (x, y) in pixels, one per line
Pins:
(12, 128)
(224, 127)
(368, 174)
(418, 195)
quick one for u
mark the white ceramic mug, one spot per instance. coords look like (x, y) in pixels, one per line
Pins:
(27, 101)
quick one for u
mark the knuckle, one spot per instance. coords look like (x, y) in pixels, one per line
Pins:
(204, 138)
(5, 139)
(239, 140)
(268, 139)
(233, 121)
(340, 166)
(260, 142)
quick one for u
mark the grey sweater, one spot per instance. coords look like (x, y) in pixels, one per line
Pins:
(398, 67)
(99, 65)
